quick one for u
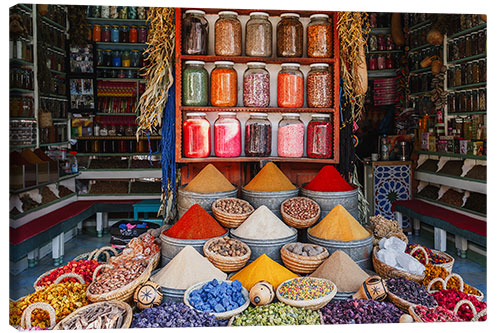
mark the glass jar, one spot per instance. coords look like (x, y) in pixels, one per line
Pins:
(100, 57)
(319, 136)
(481, 43)
(258, 35)
(373, 43)
(96, 33)
(457, 101)
(468, 101)
(227, 135)
(141, 13)
(372, 62)
(104, 11)
(123, 13)
(468, 45)
(453, 50)
(468, 73)
(195, 33)
(135, 58)
(482, 70)
(458, 76)
(126, 58)
(108, 58)
(475, 72)
(132, 13)
(381, 61)
(289, 36)
(132, 34)
(105, 33)
(256, 85)
(142, 34)
(224, 84)
(291, 132)
(258, 135)
(482, 99)
(319, 37)
(113, 12)
(195, 84)
(319, 86)
(451, 102)
(228, 34)
(381, 43)
(115, 34)
(389, 61)
(461, 47)
(474, 43)
(475, 101)
(117, 58)
(462, 101)
(196, 134)
(290, 86)
(124, 34)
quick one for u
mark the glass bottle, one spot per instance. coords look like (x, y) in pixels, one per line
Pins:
(258, 135)
(451, 102)
(135, 58)
(319, 136)
(319, 37)
(195, 33)
(381, 61)
(124, 34)
(258, 35)
(475, 101)
(482, 99)
(132, 34)
(291, 136)
(195, 84)
(96, 34)
(475, 72)
(106, 33)
(256, 84)
(224, 84)
(117, 58)
(474, 43)
(108, 58)
(228, 34)
(227, 135)
(468, 46)
(142, 34)
(196, 135)
(289, 36)
(115, 34)
(100, 57)
(290, 86)
(319, 86)
(126, 58)
(482, 70)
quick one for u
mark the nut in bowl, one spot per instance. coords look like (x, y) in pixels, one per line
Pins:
(300, 212)
(303, 258)
(306, 292)
(227, 254)
(231, 212)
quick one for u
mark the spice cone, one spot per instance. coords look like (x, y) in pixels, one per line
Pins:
(339, 225)
(209, 180)
(269, 179)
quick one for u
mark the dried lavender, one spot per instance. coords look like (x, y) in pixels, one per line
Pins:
(360, 311)
(410, 291)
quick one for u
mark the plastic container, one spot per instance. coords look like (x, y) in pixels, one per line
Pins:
(195, 33)
(196, 135)
(291, 132)
(256, 83)
(289, 36)
(320, 36)
(227, 135)
(258, 35)
(228, 34)
(223, 84)
(258, 135)
(319, 136)
(195, 84)
(319, 86)
(290, 86)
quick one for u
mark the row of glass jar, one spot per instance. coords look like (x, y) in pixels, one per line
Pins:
(414, 58)
(419, 36)
(21, 49)
(381, 43)
(21, 106)
(469, 73)
(258, 136)
(467, 46)
(116, 146)
(459, 22)
(380, 20)
(422, 105)
(21, 78)
(421, 82)
(119, 58)
(416, 18)
(117, 73)
(256, 85)
(258, 35)
(51, 36)
(119, 34)
(117, 12)
(467, 100)
(54, 134)
(56, 13)
(383, 61)
(58, 108)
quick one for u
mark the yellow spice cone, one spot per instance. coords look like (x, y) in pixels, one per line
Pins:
(339, 225)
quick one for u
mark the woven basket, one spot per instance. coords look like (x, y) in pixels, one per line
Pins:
(94, 255)
(126, 292)
(448, 265)
(416, 317)
(444, 282)
(302, 264)
(127, 320)
(86, 255)
(401, 303)
(58, 279)
(386, 271)
(228, 220)
(315, 304)
(226, 264)
(475, 315)
(230, 322)
(219, 315)
(26, 316)
(297, 223)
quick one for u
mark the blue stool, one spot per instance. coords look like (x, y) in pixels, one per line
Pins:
(147, 206)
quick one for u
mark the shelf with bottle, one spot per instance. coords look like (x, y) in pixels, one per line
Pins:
(267, 60)
(20, 91)
(420, 25)
(465, 114)
(468, 86)
(209, 108)
(462, 156)
(467, 59)
(467, 31)
(21, 62)
(52, 23)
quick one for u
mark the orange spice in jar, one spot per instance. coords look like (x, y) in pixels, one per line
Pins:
(290, 86)
(224, 84)
(96, 36)
(320, 37)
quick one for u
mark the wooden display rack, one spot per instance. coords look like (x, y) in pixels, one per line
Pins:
(180, 109)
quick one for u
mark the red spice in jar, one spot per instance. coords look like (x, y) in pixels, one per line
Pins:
(328, 179)
(319, 137)
(290, 90)
(196, 223)
(196, 135)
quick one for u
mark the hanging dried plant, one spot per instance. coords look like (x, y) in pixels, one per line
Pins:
(353, 29)
(78, 25)
(158, 69)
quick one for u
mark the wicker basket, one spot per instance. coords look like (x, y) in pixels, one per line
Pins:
(297, 223)
(127, 320)
(86, 255)
(226, 264)
(475, 315)
(228, 220)
(26, 316)
(219, 315)
(302, 264)
(126, 292)
(444, 282)
(94, 255)
(386, 271)
(448, 265)
(401, 303)
(58, 279)
(315, 304)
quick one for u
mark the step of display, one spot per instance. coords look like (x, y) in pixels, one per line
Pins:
(119, 196)
(452, 181)
(267, 60)
(453, 208)
(120, 174)
(254, 109)
(474, 157)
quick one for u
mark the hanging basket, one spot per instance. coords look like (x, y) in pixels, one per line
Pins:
(45, 119)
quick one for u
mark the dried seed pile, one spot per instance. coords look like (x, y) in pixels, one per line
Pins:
(103, 186)
(430, 192)
(144, 164)
(118, 276)
(477, 172)
(453, 197)
(277, 314)
(145, 187)
(410, 291)
(28, 203)
(453, 168)
(429, 165)
(64, 191)
(301, 208)
(307, 250)
(228, 247)
(306, 289)
(101, 316)
(476, 202)
(47, 195)
(233, 206)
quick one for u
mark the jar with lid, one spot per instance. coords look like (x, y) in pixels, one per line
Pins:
(100, 57)
(132, 34)
(258, 35)
(372, 43)
(475, 101)
(126, 58)
(113, 12)
(228, 34)
(141, 13)
(468, 101)
(123, 13)
(96, 33)
(482, 99)
(381, 43)
(474, 43)
(482, 70)
(106, 33)
(453, 50)
(461, 47)
(468, 73)
(372, 62)
(319, 37)
(135, 58)
(115, 34)
(195, 84)
(468, 46)
(196, 134)
(224, 84)
(290, 86)
(291, 132)
(227, 135)
(194, 31)
(381, 61)
(104, 11)
(389, 61)
(117, 58)
(258, 135)
(463, 102)
(458, 75)
(481, 43)
(108, 58)
(142, 34)
(132, 13)
(124, 34)
(475, 72)
(289, 36)
(319, 86)
(319, 136)
(256, 83)
(451, 102)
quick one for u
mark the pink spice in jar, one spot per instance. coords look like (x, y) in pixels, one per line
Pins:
(291, 136)
(227, 135)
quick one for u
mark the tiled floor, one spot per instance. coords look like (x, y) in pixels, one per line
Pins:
(473, 273)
